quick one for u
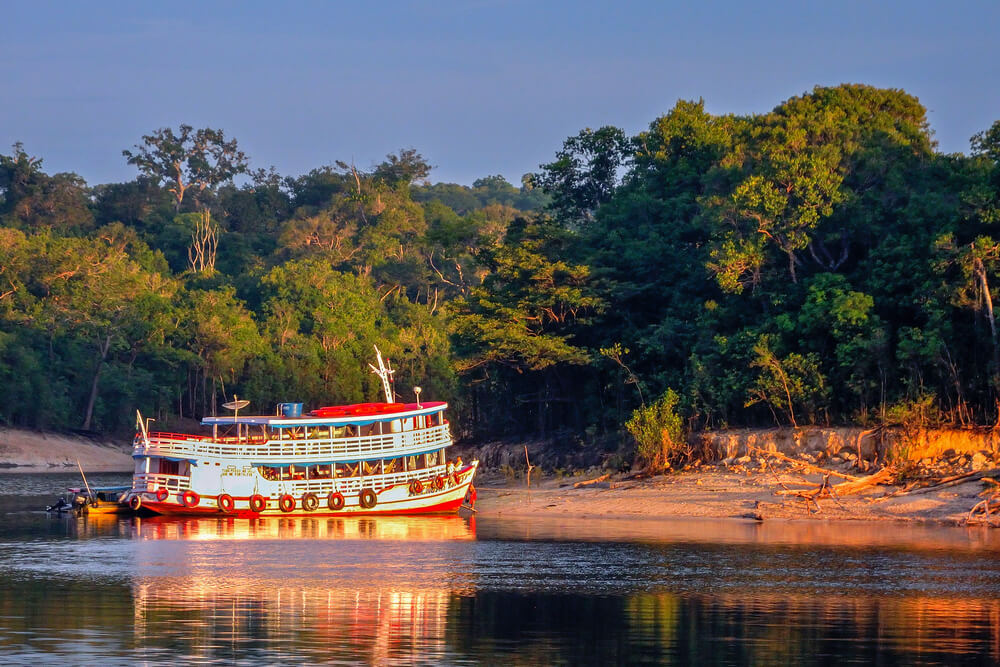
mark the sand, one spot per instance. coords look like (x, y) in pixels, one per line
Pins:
(717, 493)
(32, 451)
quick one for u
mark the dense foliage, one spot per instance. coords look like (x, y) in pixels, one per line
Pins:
(819, 263)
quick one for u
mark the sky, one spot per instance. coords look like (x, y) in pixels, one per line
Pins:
(478, 87)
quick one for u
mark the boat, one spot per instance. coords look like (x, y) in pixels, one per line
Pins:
(94, 500)
(367, 458)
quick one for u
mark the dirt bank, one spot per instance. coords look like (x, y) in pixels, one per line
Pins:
(719, 493)
(33, 451)
(748, 478)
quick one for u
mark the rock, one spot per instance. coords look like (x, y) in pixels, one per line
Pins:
(949, 453)
(728, 461)
(743, 459)
(979, 461)
(850, 456)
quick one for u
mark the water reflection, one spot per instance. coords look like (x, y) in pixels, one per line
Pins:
(399, 590)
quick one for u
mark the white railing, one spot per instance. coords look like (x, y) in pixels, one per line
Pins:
(150, 482)
(291, 450)
(351, 485)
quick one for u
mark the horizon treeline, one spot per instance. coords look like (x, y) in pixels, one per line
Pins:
(818, 264)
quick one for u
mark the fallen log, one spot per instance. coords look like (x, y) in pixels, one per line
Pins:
(954, 480)
(602, 478)
(842, 489)
(808, 466)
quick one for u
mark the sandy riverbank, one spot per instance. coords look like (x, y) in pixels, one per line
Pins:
(717, 492)
(32, 451)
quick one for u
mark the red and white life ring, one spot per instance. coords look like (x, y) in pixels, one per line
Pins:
(226, 502)
(335, 501)
(162, 494)
(286, 503)
(190, 498)
(257, 502)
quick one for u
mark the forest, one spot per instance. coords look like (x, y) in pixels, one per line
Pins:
(821, 263)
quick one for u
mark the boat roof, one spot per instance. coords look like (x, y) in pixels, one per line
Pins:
(98, 489)
(280, 421)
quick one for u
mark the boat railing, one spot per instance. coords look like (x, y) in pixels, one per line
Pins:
(290, 450)
(150, 482)
(351, 485)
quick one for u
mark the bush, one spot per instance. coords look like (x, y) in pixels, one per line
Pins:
(658, 432)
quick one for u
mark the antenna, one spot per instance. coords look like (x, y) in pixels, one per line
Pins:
(143, 426)
(385, 372)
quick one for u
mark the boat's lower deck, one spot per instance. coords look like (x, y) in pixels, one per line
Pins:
(435, 491)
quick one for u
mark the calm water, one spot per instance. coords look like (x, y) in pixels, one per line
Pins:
(457, 591)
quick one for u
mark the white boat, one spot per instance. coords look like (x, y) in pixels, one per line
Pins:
(369, 458)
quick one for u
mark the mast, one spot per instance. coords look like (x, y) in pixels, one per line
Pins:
(384, 371)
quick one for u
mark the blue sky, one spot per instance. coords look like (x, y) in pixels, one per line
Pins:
(477, 87)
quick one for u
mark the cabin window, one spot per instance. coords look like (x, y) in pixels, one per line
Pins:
(169, 467)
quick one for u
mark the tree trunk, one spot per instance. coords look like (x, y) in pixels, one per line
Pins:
(92, 400)
(980, 270)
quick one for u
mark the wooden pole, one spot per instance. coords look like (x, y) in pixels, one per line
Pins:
(89, 492)
(528, 462)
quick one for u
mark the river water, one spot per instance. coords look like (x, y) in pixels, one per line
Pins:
(453, 590)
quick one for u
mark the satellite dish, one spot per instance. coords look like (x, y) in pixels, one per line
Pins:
(235, 405)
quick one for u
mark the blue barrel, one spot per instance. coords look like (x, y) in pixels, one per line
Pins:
(291, 409)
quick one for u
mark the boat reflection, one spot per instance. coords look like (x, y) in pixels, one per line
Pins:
(420, 528)
(374, 589)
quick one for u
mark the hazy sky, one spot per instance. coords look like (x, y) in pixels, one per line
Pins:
(478, 88)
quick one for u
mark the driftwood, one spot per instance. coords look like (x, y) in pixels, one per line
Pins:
(808, 466)
(945, 482)
(986, 506)
(602, 478)
(844, 488)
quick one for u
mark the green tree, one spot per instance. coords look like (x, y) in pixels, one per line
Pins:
(188, 159)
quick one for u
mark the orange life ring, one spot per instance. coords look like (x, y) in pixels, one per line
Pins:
(456, 478)
(439, 482)
(135, 503)
(367, 499)
(416, 487)
(162, 494)
(226, 502)
(258, 502)
(190, 498)
(286, 503)
(335, 501)
(309, 501)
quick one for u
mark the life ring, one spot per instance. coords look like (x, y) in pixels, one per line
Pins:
(257, 502)
(286, 503)
(416, 487)
(367, 499)
(335, 501)
(190, 498)
(162, 494)
(439, 482)
(226, 502)
(135, 503)
(455, 477)
(309, 502)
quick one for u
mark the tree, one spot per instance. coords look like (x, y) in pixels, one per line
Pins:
(585, 172)
(31, 199)
(190, 159)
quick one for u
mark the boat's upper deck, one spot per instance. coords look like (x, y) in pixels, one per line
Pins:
(371, 433)
(344, 416)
